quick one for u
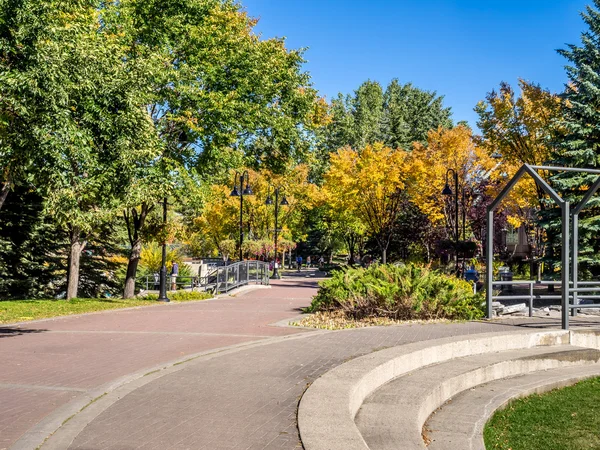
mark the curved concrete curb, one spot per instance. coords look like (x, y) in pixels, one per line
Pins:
(397, 411)
(328, 408)
(467, 433)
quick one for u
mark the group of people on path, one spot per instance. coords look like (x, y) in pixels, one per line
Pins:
(299, 262)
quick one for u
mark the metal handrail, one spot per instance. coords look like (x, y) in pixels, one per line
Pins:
(588, 286)
(223, 279)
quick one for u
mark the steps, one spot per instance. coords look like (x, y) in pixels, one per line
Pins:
(397, 411)
(459, 423)
(382, 400)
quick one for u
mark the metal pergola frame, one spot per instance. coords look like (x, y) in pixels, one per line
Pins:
(567, 237)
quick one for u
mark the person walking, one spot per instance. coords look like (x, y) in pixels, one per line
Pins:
(174, 273)
(308, 262)
(299, 262)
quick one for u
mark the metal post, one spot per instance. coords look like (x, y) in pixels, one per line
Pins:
(574, 260)
(531, 299)
(464, 216)
(241, 217)
(275, 268)
(456, 215)
(565, 265)
(226, 278)
(162, 297)
(489, 260)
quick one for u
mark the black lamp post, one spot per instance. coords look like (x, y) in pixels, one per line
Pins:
(283, 202)
(243, 191)
(162, 297)
(447, 191)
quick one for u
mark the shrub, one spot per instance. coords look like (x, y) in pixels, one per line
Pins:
(181, 296)
(407, 292)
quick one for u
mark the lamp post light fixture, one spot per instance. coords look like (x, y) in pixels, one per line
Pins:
(162, 297)
(243, 191)
(448, 192)
(283, 202)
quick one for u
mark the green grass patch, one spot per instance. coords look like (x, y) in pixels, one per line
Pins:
(12, 311)
(563, 419)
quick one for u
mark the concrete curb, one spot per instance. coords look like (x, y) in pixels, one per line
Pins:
(328, 408)
(58, 430)
(397, 411)
(529, 384)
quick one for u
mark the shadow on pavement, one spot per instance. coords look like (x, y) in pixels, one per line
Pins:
(11, 332)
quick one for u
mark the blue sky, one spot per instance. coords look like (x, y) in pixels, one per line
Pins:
(461, 49)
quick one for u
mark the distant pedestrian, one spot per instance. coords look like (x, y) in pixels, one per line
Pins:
(174, 273)
(299, 262)
(321, 262)
(308, 262)
(156, 281)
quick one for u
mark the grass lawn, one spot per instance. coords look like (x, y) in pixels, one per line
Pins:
(12, 311)
(564, 419)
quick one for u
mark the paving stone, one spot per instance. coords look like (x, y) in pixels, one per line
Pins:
(245, 399)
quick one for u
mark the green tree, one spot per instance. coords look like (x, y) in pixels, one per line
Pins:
(398, 117)
(580, 147)
(67, 83)
(223, 96)
(410, 113)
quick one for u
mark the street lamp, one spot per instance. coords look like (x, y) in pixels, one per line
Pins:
(244, 191)
(448, 192)
(162, 296)
(283, 202)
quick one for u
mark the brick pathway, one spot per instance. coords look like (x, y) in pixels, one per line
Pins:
(47, 364)
(242, 399)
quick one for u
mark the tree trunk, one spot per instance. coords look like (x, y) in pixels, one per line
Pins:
(132, 265)
(4, 192)
(77, 247)
(135, 222)
(383, 256)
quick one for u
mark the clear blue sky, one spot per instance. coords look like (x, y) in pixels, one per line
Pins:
(461, 49)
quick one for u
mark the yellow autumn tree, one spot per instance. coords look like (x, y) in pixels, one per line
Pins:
(364, 190)
(521, 130)
(429, 171)
(219, 222)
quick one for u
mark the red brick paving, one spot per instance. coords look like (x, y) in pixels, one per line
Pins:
(245, 399)
(86, 352)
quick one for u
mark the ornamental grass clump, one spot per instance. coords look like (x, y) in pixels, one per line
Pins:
(408, 292)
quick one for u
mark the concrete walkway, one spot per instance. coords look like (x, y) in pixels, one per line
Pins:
(49, 364)
(241, 394)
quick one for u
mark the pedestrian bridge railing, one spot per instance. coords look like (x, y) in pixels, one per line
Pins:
(225, 278)
(219, 280)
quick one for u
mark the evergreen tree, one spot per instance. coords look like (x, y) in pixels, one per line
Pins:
(31, 250)
(580, 147)
(409, 114)
(401, 115)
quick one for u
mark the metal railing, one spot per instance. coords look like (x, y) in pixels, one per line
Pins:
(226, 278)
(574, 298)
(219, 280)
(182, 282)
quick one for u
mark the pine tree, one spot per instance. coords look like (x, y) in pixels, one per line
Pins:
(580, 145)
